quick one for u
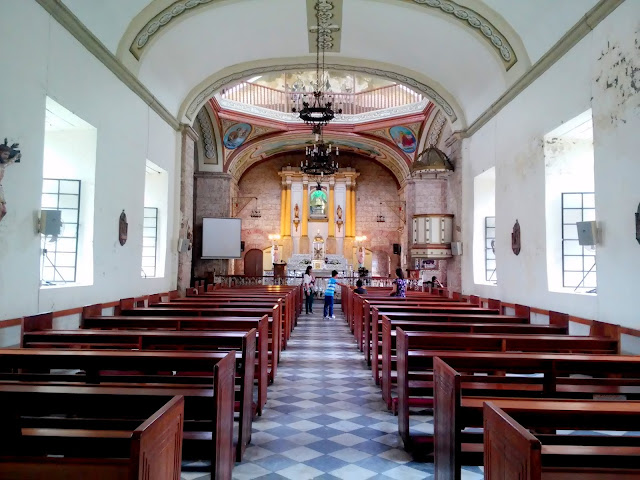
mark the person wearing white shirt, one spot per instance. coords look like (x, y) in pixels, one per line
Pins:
(308, 284)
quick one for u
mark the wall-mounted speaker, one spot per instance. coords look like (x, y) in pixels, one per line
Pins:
(242, 246)
(587, 233)
(396, 249)
(50, 222)
(183, 245)
(456, 248)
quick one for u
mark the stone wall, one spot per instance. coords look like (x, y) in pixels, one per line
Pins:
(212, 198)
(263, 182)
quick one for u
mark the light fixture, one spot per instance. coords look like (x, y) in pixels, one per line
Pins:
(432, 161)
(316, 107)
(319, 159)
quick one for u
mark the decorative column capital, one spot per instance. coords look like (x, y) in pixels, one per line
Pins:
(187, 130)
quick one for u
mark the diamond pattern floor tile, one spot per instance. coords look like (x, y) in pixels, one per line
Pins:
(325, 418)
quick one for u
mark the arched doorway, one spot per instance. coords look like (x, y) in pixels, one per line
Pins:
(253, 263)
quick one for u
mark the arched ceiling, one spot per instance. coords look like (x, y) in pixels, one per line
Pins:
(463, 54)
(455, 44)
(272, 145)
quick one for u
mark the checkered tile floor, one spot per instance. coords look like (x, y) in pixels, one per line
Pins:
(325, 418)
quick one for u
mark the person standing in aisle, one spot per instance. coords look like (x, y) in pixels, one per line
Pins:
(329, 293)
(308, 284)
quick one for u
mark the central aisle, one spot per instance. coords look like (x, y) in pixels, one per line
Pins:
(325, 417)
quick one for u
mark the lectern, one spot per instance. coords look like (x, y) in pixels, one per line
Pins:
(279, 270)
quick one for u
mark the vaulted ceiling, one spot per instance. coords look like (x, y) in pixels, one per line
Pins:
(462, 55)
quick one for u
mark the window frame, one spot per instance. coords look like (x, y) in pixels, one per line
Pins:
(584, 272)
(494, 275)
(45, 251)
(155, 243)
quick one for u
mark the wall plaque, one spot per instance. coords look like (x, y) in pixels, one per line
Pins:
(122, 228)
(638, 224)
(515, 238)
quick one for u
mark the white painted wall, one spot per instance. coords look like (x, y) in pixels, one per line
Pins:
(50, 62)
(595, 74)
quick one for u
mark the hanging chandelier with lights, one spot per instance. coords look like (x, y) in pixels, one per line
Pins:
(316, 107)
(319, 158)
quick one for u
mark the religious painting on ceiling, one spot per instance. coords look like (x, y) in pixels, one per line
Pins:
(404, 138)
(236, 135)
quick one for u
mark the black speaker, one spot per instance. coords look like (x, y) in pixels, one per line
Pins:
(242, 246)
(396, 249)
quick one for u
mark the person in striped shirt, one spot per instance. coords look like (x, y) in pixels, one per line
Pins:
(329, 293)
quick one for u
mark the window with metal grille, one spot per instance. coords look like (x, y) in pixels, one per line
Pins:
(578, 261)
(489, 249)
(60, 254)
(149, 242)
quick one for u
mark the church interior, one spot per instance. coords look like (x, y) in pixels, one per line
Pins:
(162, 196)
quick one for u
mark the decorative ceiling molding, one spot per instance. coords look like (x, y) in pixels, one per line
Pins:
(328, 22)
(270, 114)
(214, 87)
(464, 16)
(260, 150)
(208, 137)
(160, 21)
(478, 23)
(435, 130)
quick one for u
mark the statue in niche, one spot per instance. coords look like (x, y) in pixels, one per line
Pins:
(318, 203)
(8, 155)
(339, 221)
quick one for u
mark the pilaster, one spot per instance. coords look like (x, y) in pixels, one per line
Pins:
(187, 167)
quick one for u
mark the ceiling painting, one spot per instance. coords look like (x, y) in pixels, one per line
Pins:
(404, 138)
(235, 135)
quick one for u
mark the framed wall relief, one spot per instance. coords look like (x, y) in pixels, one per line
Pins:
(515, 238)
(123, 227)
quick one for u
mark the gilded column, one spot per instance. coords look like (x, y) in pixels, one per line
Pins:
(353, 209)
(332, 206)
(331, 237)
(287, 210)
(287, 241)
(305, 209)
(282, 204)
(304, 240)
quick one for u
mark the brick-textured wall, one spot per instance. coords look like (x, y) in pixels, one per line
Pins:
(263, 182)
(212, 198)
(377, 194)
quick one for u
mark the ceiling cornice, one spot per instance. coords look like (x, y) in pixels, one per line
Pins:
(581, 29)
(75, 27)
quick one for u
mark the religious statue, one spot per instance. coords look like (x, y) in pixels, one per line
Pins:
(8, 155)
(339, 221)
(296, 216)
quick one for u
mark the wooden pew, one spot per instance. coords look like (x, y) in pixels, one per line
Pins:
(388, 358)
(372, 320)
(416, 351)
(379, 312)
(242, 342)
(100, 448)
(231, 311)
(363, 303)
(264, 370)
(510, 449)
(209, 302)
(458, 397)
(208, 427)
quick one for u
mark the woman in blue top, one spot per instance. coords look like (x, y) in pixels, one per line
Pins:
(399, 285)
(328, 295)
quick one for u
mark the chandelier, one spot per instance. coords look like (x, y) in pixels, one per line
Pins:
(316, 107)
(319, 159)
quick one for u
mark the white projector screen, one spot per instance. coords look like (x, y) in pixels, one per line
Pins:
(221, 237)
